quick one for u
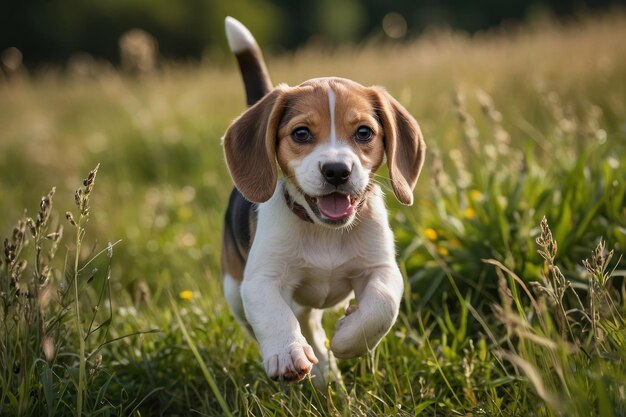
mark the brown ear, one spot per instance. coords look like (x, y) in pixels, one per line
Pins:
(404, 146)
(249, 146)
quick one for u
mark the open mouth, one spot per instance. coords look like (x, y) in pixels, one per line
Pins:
(336, 207)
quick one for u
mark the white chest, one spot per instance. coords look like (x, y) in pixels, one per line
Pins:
(317, 266)
(323, 280)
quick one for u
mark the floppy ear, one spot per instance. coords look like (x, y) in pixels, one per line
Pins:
(404, 145)
(250, 147)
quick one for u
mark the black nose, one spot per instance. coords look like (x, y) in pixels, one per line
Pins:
(336, 173)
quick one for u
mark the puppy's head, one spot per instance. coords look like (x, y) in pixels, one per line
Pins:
(329, 136)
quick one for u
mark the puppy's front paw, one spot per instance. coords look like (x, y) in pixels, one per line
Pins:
(357, 333)
(290, 364)
(350, 339)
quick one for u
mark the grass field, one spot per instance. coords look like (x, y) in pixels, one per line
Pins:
(120, 312)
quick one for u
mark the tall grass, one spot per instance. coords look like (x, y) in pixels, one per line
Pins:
(526, 143)
(570, 349)
(491, 209)
(52, 314)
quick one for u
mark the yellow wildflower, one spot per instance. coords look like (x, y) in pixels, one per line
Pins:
(431, 234)
(443, 251)
(469, 213)
(476, 195)
(186, 295)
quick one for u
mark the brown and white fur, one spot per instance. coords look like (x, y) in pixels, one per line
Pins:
(318, 235)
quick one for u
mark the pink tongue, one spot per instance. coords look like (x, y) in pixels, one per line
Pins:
(335, 206)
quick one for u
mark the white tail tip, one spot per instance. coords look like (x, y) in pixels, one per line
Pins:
(239, 37)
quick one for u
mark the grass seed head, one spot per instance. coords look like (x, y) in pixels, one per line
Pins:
(13, 246)
(45, 207)
(31, 226)
(56, 238)
(441, 180)
(70, 218)
(81, 196)
(17, 270)
(547, 245)
(9, 251)
(487, 107)
(48, 348)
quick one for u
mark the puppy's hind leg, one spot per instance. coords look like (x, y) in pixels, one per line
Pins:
(311, 325)
(232, 293)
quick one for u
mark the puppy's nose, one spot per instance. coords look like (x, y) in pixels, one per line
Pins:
(336, 173)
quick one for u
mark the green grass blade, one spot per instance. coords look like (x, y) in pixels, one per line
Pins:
(207, 374)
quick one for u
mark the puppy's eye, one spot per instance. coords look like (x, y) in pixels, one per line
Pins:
(363, 134)
(301, 135)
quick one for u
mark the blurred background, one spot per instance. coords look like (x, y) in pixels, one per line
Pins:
(61, 31)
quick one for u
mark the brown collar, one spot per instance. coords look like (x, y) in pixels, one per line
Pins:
(296, 208)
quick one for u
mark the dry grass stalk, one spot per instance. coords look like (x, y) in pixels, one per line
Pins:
(553, 285)
(467, 121)
(601, 301)
(138, 52)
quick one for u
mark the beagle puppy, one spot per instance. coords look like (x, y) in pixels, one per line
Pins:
(315, 236)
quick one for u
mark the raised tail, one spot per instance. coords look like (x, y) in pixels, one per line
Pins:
(256, 79)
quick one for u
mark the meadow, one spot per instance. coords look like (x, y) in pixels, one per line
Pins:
(515, 295)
